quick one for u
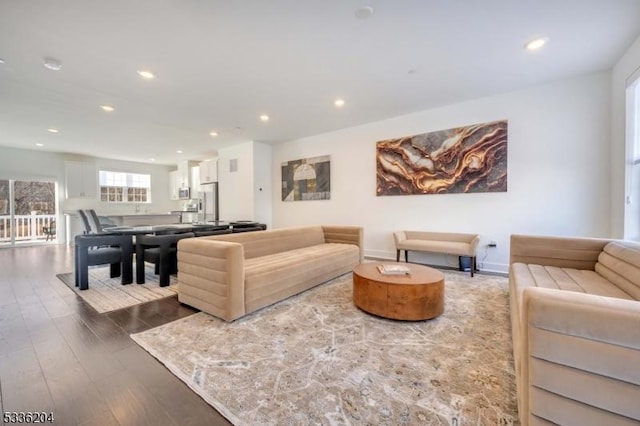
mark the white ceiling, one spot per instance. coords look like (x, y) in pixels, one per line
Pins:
(222, 63)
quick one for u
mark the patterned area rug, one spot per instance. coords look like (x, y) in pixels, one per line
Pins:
(108, 294)
(317, 359)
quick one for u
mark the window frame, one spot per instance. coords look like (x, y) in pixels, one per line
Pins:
(122, 187)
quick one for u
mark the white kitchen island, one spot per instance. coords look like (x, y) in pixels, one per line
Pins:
(75, 227)
(145, 219)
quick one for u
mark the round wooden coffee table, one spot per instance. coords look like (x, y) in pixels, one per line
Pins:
(413, 297)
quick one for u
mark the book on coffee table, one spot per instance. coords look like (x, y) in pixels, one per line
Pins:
(393, 269)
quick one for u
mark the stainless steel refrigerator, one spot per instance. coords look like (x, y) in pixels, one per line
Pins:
(209, 202)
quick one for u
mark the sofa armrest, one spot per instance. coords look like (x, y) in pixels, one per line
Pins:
(580, 358)
(473, 245)
(345, 235)
(564, 252)
(398, 237)
(211, 276)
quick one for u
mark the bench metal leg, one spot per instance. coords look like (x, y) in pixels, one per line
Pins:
(473, 265)
(406, 256)
(397, 255)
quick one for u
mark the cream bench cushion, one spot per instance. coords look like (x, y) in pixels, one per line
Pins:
(457, 244)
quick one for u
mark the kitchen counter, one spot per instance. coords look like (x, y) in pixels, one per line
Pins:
(144, 219)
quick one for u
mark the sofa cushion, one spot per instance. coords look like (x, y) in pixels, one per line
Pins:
(448, 247)
(619, 263)
(582, 281)
(439, 236)
(274, 277)
(264, 243)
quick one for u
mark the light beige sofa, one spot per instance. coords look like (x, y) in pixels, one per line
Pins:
(575, 318)
(232, 275)
(457, 244)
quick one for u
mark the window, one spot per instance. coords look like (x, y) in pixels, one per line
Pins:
(632, 199)
(121, 187)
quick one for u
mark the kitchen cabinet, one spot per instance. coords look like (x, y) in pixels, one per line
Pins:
(185, 177)
(173, 185)
(81, 179)
(195, 181)
(209, 171)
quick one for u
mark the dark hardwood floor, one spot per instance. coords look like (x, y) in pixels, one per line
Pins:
(57, 354)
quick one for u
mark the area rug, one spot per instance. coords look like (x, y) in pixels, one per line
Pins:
(317, 359)
(108, 294)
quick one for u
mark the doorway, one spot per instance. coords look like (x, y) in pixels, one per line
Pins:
(28, 212)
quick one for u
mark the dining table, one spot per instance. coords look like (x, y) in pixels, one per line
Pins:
(176, 228)
(173, 228)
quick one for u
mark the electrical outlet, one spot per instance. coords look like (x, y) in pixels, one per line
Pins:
(492, 244)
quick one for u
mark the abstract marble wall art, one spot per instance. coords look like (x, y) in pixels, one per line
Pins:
(307, 179)
(465, 159)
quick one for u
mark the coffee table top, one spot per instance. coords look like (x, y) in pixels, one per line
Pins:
(418, 274)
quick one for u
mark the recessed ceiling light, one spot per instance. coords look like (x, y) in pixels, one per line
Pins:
(107, 108)
(364, 12)
(1, 61)
(213, 134)
(536, 43)
(148, 75)
(179, 151)
(52, 64)
(339, 103)
(52, 130)
(264, 117)
(152, 159)
(39, 144)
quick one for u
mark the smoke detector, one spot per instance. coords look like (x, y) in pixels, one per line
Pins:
(53, 64)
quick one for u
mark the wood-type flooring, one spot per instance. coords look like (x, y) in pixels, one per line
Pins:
(59, 356)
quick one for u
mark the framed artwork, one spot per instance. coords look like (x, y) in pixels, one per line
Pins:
(307, 179)
(460, 160)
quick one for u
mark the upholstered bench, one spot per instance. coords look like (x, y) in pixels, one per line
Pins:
(437, 242)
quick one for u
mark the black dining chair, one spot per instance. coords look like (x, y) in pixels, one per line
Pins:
(96, 224)
(160, 250)
(248, 228)
(212, 232)
(101, 249)
(85, 222)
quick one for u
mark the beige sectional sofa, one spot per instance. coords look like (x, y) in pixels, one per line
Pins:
(575, 315)
(232, 275)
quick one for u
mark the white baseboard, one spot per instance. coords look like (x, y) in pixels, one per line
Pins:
(380, 254)
(495, 267)
(387, 255)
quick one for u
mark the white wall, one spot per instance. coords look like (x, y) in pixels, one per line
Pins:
(262, 187)
(558, 165)
(626, 66)
(160, 197)
(245, 194)
(235, 189)
(30, 164)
